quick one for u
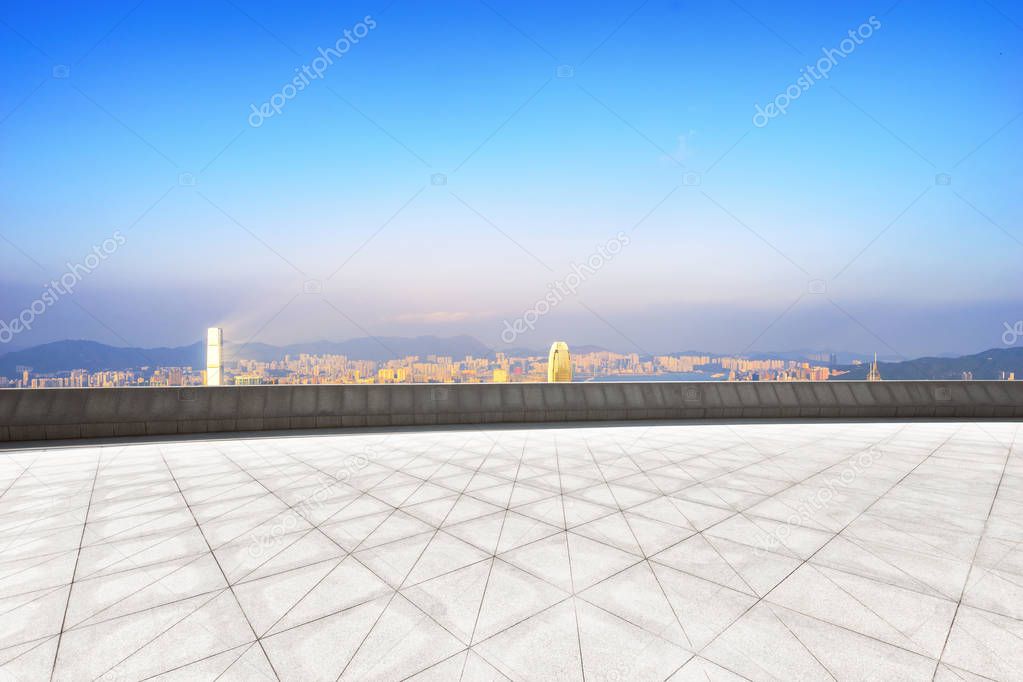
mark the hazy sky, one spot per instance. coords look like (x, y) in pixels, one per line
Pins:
(881, 211)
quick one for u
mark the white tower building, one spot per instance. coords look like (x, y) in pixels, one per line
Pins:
(214, 356)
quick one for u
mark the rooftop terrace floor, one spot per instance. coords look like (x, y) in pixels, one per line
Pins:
(843, 550)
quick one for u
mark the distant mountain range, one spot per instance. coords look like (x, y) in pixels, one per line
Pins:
(988, 364)
(62, 356)
(377, 348)
(808, 355)
(520, 352)
(801, 355)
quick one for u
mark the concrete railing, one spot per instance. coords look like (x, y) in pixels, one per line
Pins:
(57, 413)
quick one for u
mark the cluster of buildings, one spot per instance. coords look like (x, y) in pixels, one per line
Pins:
(431, 369)
(560, 365)
(82, 378)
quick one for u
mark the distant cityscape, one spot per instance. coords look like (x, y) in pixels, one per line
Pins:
(559, 365)
(89, 365)
(432, 369)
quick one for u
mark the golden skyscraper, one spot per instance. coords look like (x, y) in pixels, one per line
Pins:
(214, 356)
(559, 363)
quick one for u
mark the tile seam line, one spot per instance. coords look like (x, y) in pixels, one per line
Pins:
(980, 540)
(497, 546)
(571, 569)
(217, 561)
(71, 587)
(758, 601)
(401, 586)
(317, 528)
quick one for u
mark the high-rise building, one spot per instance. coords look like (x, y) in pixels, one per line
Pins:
(874, 374)
(500, 376)
(392, 375)
(559, 363)
(214, 356)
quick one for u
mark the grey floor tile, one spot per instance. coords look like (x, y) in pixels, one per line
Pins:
(773, 643)
(901, 617)
(986, 644)
(153, 641)
(543, 647)
(773, 550)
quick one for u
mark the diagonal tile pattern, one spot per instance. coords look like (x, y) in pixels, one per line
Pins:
(762, 551)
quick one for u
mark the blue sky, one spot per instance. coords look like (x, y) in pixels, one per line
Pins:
(225, 223)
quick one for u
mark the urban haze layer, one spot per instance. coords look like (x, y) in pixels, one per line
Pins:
(500, 368)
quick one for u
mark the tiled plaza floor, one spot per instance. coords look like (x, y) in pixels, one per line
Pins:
(848, 551)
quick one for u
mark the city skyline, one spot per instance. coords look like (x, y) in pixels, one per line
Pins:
(459, 360)
(559, 365)
(656, 179)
